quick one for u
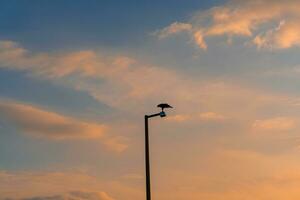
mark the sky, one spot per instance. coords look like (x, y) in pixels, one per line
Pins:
(77, 78)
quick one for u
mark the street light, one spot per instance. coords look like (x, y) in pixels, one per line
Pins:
(147, 157)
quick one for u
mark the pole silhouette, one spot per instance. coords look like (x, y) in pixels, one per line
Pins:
(147, 160)
(147, 152)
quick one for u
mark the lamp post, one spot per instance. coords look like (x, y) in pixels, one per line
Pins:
(147, 156)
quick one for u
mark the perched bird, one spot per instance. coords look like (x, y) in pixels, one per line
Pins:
(163, 106)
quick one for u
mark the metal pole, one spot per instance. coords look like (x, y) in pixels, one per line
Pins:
(147, 160)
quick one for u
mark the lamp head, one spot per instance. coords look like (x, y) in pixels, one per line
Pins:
(162, 114)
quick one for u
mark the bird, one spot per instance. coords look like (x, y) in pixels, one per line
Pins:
(163, 106)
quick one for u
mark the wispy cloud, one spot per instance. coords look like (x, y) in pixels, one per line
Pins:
(269, 24)
(174, 28)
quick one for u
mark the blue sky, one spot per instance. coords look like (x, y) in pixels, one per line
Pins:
(77, 24)
(76, 78)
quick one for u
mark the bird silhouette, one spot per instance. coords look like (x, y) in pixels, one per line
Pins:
(163, 106)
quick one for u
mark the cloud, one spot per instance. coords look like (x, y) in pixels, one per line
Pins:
(123, 79)
(126, 84)
(34, 185)
(275, 124)
(179, 118)
(174, 28)
(286, 35)
(199, 39)
(41, 123)
(131, 86)
(116, 143)
(211, 116)
(74, 195)
(250, 19)
(63, 185)
(204, 116)
(133, 176)
(14, 56)
(252, 175)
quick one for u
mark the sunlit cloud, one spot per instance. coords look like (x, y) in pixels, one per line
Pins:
(67, 185)
(41, 123)
(174, 28)
(51, 185)
(133, 176)
(275, 124)
(123, 78)
(126, 82)
(205, 147)
(74, 195)
(269, 24)
(205, 116)
(179, 118)
(211, 116)
(253, 175)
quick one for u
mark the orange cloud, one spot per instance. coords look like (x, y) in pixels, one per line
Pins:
(286, 35)
(199, 39)
(42, 123)
(205, 116)
(248, 19)
(275, 124)
(68, 185)
(179, 118)
(252, 175)
(211, 116)
(55, 185)
(78, 195)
